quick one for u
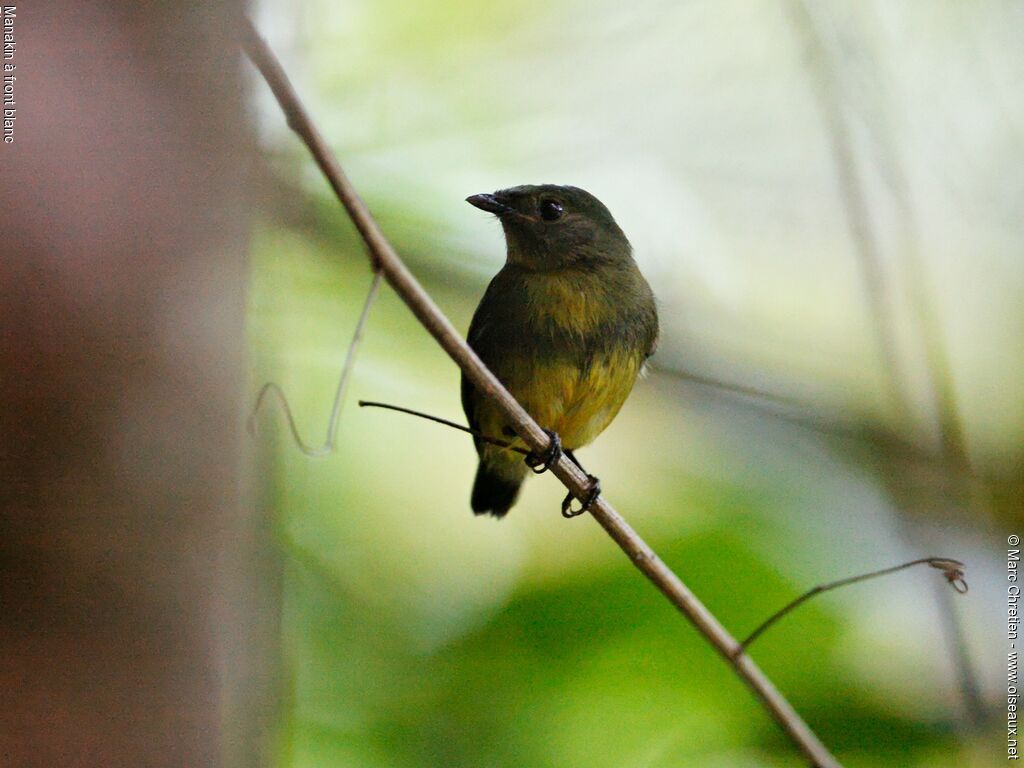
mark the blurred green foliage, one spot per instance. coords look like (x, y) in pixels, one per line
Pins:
(414, 634)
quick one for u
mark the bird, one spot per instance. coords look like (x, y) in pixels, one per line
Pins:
(566, 325)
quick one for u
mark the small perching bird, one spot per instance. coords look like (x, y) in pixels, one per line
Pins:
(566, 326)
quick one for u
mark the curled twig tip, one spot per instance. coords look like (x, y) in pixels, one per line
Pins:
(331, 441)
(953, 570)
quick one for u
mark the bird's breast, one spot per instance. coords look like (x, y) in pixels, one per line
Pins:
(575, 305)
(569, 348)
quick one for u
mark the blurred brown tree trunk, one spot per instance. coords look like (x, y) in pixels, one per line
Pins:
(126, 606)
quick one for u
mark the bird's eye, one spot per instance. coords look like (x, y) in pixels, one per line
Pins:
(550, 210)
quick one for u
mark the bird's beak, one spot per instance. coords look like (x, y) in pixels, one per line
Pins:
(490, 203)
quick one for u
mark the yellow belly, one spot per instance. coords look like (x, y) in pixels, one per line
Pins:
(577, 404)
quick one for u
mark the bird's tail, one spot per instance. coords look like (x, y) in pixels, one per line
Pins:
(494, 491)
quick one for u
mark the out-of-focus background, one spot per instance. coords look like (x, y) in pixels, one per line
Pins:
(127, 616)
(827, 200)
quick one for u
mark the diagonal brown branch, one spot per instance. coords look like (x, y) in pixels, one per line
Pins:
(423, 307)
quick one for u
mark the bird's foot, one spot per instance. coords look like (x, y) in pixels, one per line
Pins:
(541, 463)
(585, 503)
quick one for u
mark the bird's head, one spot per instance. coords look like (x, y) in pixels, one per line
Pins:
(550, 227)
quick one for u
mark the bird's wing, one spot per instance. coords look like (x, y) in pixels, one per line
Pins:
(481, 340)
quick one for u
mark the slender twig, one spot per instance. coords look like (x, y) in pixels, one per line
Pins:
(953, 570)
(952, 440)
(271, 388)
(725, 386)
(855, 207)
(438, 420)
(485, 382)
(865, 239)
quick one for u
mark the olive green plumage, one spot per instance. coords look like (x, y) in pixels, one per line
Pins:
(565, 325)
